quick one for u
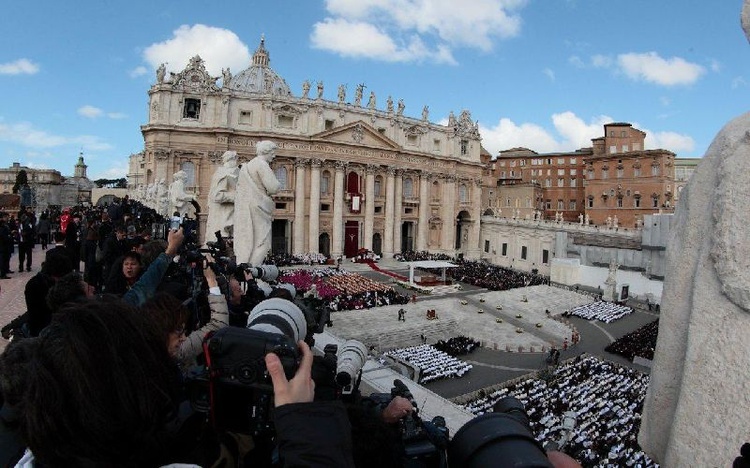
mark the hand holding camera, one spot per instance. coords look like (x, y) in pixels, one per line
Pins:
(301, 388)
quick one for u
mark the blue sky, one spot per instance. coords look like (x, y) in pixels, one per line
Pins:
(544, 74)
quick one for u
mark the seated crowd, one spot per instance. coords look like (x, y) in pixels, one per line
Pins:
(342, 290)
(412, 256)
(641, 342)
(457, 346)
(493, 277)
(286, 259)
(606, 312)
(433, 364)
(607, 399)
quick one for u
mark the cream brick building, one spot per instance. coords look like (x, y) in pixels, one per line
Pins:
(353, 175)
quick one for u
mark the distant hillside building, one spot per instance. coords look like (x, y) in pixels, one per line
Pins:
(356, 172)
(47, 188)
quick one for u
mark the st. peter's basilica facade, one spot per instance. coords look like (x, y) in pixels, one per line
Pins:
(353, 175)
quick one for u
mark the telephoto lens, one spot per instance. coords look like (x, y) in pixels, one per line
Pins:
(501, 438)
(279, 316)
(351, 357)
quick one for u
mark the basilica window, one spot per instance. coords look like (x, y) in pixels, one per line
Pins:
(378, 187)
(655, 170)
(325, 183)
(464, 147)
(281, 173)
(462, 193)
(191, 109)
(408, 188)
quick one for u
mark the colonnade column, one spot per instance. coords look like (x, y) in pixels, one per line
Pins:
(448, 200)
(369, 205)
(474, 248)
(314, 231)
(424, 211)
(337, 234)
(299, 207)
(389, 206)
(398, 209)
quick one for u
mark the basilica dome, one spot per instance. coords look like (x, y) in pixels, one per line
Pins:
(259, 78)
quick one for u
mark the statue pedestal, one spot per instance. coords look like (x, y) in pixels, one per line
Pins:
(610, 291)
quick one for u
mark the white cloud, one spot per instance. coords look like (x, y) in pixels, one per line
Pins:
(26, 135)
(219, 48)
(738, 82)
(358, 39)
(576, 61)
(571, 133)
(115, 171)
(90, 112)
(671, 141)
(415, 30)
(549, 74)
(138, 71)
(19, 67)
(715, 66)
(117, 115)
(601, 61)
(652, 68)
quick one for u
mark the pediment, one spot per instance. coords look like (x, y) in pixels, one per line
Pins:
(358, 133)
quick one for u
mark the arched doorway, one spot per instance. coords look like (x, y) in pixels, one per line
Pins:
(463, 222)
(377, 244)
(324, 244)
(351, 238)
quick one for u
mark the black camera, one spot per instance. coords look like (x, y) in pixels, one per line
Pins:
(502, 437)
(240, 393)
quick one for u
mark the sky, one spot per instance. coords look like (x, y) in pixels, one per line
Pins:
(540, 74)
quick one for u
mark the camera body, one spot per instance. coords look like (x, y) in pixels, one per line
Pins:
(239, 385)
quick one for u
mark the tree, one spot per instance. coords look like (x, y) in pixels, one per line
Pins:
(21, 179)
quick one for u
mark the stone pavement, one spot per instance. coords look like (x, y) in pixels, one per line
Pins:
(12, 301)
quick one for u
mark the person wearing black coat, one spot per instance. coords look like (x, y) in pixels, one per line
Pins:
(6, 246)
(73, 242)
(56, 265)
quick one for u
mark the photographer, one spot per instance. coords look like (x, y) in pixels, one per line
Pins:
(308, 433)
(146, 286)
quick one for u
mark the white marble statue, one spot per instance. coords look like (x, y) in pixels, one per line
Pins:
(580, 219)
(221, 198)
(609, 221)
(179, 199)
(254, 206)
(162, 197)
(615, 222)
(372, 102)
(587, 219)
(696, 408)
(150, 194)
(305, 89)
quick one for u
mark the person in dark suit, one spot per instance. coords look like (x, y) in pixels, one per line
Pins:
(73, 242)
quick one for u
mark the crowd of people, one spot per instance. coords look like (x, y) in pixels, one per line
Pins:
(286, 259)
(432, 363)
(457, 346)
(343, 290)
(493, 277)
(606, 398)
(606, 312)
(641, 342)
(412, 256)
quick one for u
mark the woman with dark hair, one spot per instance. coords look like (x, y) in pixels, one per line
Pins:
(56, 265)
(171, 317)
(99, 390)
(125, 273)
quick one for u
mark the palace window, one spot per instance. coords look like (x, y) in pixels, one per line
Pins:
(189, 169)
(191, 109)
(620, 172)
(464, 147)
(573, 182)
(605, 173)
(505, 249)
(636, 171)
(545, 256)
(572, 205)
(561, 182)
(524, 251)
(560, 205)
(591, 202)
(486, 246)
(655, 170)
(619, 202)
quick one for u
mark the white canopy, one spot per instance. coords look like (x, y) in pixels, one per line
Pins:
(428, 264)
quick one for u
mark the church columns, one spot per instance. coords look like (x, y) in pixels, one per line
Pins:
(474, 249)
(369, 205)
(424, 211)
(398, 209)
(299, 207)
(337, 227)
(314, 206)
(389, 215)
(448, 200)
